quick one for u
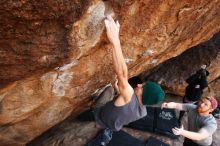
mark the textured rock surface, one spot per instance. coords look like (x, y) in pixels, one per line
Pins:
(54, 54)
(215, 85)
(174, 71)
(33, 35)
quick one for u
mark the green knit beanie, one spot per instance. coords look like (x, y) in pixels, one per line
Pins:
(152, 93)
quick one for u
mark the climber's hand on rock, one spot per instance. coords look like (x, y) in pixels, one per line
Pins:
(112, 29)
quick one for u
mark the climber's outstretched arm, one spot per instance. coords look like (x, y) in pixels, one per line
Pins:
(119, 64)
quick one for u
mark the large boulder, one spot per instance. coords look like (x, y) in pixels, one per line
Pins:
(54, 54)
(173, 72)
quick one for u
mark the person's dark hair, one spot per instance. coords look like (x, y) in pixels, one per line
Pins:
(134, 81)
(202, 72)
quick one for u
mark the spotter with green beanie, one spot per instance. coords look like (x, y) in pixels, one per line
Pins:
(152, 93)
